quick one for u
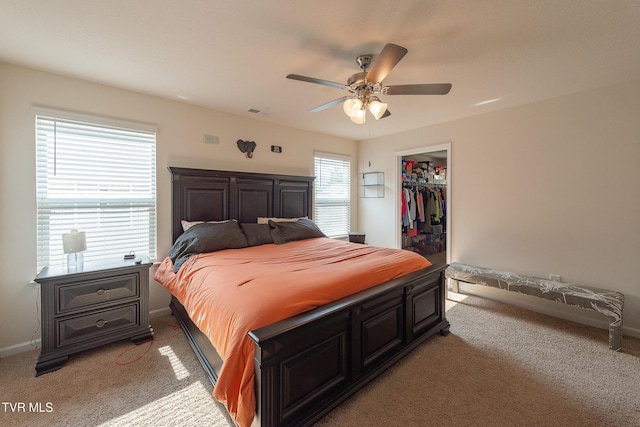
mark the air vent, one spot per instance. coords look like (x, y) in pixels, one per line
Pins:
(262, 111)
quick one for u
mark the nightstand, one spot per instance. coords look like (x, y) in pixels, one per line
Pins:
(94, 305)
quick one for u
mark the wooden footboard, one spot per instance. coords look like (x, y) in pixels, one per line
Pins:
(308, 364)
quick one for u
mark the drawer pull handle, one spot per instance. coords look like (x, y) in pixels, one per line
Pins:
(100, 291)
(100, 323)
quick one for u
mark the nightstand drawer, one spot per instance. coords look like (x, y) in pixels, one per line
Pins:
(89, 293)
(96, 324)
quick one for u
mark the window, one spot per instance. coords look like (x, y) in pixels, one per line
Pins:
(332, 194)
(97, 176)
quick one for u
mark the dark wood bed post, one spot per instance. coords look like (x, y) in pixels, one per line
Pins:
(308, 364)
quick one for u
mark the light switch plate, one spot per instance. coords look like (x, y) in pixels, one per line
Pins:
(211, 139)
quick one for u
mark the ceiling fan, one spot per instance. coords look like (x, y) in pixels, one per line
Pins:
(365, 86)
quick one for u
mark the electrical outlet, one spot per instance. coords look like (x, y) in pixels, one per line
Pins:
(555, 277)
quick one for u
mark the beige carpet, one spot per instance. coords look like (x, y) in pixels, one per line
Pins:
(153, 384)
(500, 366)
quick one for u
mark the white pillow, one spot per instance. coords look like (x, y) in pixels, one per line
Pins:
(188, 224)
(265, 220)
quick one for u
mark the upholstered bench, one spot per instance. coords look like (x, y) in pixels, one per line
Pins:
(608, 303)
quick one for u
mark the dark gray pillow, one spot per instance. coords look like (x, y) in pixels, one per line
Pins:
(285, 232)
(257, 234)
(206, 237)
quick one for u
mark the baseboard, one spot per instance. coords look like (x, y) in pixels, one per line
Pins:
(466, 288)
(153, 314)
(19, 348)
(550, 308)
(35, 345)
(632, 332)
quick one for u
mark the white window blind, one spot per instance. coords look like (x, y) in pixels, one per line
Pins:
(99, 178)
(332, 189)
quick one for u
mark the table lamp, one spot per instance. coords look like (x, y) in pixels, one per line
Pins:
(73, 244)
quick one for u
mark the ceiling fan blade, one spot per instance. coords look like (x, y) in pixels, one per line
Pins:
(314, 80)
(387, 113)
(389, 57)
(420, 89)
(329, 104)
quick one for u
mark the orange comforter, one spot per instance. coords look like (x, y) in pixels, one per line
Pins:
(231, 292)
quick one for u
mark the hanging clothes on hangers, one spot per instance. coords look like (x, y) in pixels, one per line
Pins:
(424, 210)
(405, 207)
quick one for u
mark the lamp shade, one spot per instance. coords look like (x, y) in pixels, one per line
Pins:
(360, 117)
(377, 108)
(352, 106)
(75, 241)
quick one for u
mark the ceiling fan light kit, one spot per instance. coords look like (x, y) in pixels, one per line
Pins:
(356, 108)
(365, 85)
(377, 108)
(360, 117)
(351, 106)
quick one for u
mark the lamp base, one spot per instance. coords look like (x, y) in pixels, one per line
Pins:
(75, 261)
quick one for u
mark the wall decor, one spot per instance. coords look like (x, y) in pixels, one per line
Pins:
(247, 147)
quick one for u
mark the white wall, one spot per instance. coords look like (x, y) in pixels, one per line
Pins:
(549, 187)
(179, 143)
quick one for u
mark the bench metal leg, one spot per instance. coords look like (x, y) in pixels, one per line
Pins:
(615, 334)
(455, 285)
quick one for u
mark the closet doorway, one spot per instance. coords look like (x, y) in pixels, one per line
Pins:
(424, 212)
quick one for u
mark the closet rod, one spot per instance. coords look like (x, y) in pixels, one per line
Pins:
(423, 184)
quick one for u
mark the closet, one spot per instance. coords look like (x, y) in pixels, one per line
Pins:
(424, 205)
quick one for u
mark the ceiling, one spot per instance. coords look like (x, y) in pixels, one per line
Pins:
(233, 56)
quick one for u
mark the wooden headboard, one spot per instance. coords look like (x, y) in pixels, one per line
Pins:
(215, 195)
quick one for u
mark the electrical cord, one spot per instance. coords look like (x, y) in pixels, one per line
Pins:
(147, 345)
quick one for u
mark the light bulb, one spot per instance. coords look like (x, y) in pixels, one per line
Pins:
(377, 108)
(351, 106)
(359, 117)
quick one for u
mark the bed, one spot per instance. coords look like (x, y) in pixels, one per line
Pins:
(304, 365)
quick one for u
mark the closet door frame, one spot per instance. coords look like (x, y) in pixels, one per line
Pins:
(398, 174)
